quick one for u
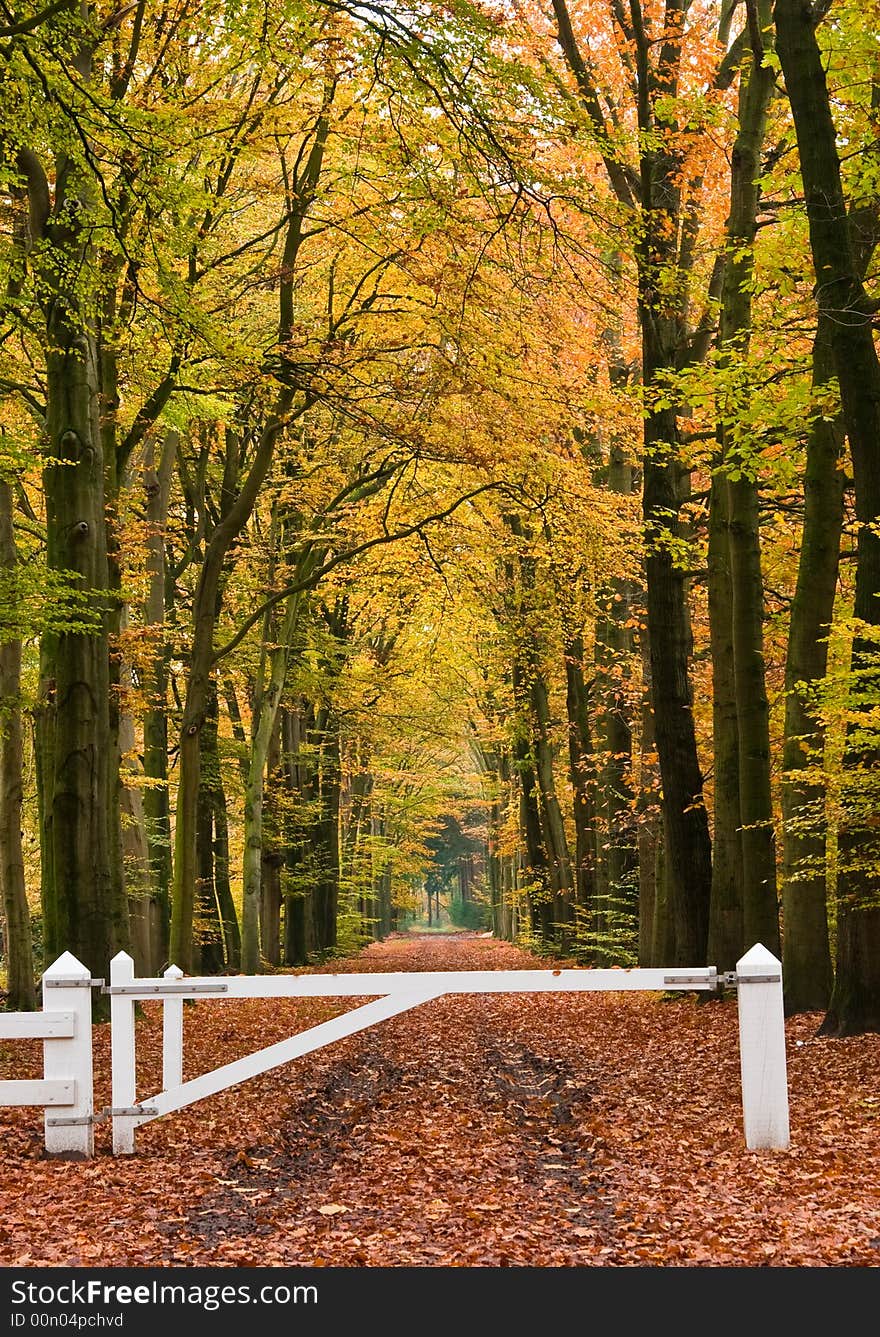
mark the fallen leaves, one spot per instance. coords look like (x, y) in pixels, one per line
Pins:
(530, 1130)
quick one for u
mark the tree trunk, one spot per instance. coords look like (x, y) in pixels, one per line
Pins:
(225, 902)
(19, 951)
(535, 862)
(199, 685)
(85, 919)
(272, 857)
(582, 772)
(666, 233)
(553, 826)
(326, 834)
(663, 942)
(298, 943)
(264, 718)
(143, 911)
(649, 820)
(855, 1001)
(207, 929)
(616, 908)
(742, 599)
(157, 807)
(726, 905)
(687, 848)
(806, 954)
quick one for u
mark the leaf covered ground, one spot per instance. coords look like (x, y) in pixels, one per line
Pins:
(523, 1130)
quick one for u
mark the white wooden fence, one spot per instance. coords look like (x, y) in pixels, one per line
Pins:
(64, 1025)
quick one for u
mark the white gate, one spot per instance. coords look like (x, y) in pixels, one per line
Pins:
(65, 1028)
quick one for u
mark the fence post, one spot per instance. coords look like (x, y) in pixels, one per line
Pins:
(122, 1055)
(69, 1129)
(172, 1035)
(762, 1050)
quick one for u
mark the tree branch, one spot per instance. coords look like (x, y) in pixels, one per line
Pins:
(622, 184)
(18, 27)
(348, 555)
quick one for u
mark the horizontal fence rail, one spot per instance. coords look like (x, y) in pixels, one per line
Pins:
(64, 1026)
(445, 981)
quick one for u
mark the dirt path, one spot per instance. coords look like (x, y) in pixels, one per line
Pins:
(569, 1130)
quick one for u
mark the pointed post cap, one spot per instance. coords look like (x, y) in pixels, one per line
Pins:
(67, 967)
(757, 961)
(121, 967)
(173, 973)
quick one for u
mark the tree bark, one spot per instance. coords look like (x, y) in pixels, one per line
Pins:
(157, 806)
(760, 915)
(272, 856)
(19, 950)
(726, 905)
(807, 973)
(208, 933)
(87, 919)
(855, 1001)
(616, 910)
(582, 773)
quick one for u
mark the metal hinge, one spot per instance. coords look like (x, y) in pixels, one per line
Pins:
(120, 1111)
(160, 989)
(689, 979)
(75, 1122)
(72, 984)
(759, 979)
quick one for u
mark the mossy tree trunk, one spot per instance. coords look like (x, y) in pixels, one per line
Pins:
(855, 1000)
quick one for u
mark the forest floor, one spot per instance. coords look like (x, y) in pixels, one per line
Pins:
(532, 1130)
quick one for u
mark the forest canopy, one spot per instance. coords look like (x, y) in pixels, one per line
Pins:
(440, 458)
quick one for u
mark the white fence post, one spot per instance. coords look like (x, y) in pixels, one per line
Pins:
(172, 1035)
(122, 1055)
(762, 1050)
(69, 1129)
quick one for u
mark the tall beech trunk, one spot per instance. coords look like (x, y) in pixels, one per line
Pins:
(235, 516)
(535, 750)
(667, 228)
(325, 898)
(264, 718)
(74, 737)
(536, 863)
(143, 911)
(157, 806)
(855, 1000)
(760, 915)
(726, 906)
(807, 972)
(555, 839)
(199, 681)
(86, 918)
(298, 940)
(649, 818)
(618, 902)
(225, 901)
(582, 773)
(209, 937)
(687, 848)
(272, 856)
(663, 940)
(305, 561)
(108, 404)
(19, 950)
